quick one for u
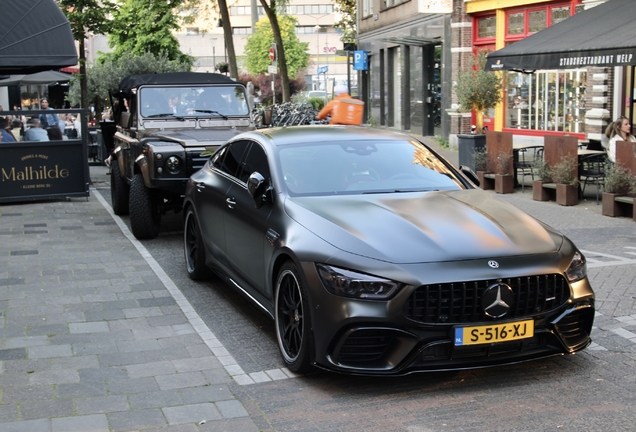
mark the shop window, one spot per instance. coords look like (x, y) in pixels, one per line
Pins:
(546, 100)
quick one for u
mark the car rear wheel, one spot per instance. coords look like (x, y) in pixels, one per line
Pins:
(293, 320)
(119, 190)
(145, 218)
(194, 249)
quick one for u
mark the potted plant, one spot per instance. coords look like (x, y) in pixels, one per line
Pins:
(477, 91)
(222, 67)
(619, 181)
(565, 175)
(481, 168)
(504, 181)
(544, 176)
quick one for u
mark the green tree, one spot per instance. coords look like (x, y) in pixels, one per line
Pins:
(348, 11)
(477, 89)
(106, 75)
(258, 44)
(86, 16)
(272, 10)
(140, 26)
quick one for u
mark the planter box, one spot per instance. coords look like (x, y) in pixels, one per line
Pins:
(467, 144)
(504, 184)
(567, 195)
(615, 205)
(540, 193)
(486, 180)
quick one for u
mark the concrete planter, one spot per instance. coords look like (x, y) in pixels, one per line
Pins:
(539, 193)
(567, 195)
(486, 183)
(504, 183)
(467, 144)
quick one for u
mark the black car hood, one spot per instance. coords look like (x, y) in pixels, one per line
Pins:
(423, 227)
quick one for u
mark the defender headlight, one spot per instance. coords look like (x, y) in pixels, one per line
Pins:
(578, 268)
(347, 283)
(174, 164)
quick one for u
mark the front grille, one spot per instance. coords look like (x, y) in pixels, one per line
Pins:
(575, 328)
(368, 345)
(195, 161)
(460, 302)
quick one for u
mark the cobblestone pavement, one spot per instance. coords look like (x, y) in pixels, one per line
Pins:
(100, 332)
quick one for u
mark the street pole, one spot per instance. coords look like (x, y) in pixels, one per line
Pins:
(317, 28)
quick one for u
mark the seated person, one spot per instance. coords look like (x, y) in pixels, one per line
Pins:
(35, 132)
(54, 133)
(5, 132)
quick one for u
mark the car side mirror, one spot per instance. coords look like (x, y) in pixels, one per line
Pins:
(468, 172)
(258, 188)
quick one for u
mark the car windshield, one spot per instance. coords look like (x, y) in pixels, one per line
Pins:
(200, 101)
(356, 167)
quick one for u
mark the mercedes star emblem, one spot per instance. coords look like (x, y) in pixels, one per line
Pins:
(493, 264)
(497, 300)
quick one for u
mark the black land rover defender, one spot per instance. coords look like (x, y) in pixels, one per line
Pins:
(164, 122)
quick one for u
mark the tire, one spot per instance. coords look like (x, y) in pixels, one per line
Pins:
(145, 218)
(193, 248)
(119, 190)
(293, 320)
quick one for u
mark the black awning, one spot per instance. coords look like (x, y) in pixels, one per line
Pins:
(34, 36)
(604, 35)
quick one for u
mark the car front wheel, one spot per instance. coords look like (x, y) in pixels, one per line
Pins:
(193, 247)
(145, 218)
(292, 320)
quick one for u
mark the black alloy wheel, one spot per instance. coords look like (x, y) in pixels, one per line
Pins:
(119, 190)
(193, 248)
(292, 320)
(145, 218)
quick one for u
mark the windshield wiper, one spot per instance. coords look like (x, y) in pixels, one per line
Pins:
(165, 115)
(212, 112)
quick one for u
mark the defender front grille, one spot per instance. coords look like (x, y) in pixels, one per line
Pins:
(195, 161)
(460, 302)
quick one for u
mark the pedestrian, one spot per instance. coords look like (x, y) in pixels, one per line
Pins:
(343, 109)
(620, 130)
(47, 120)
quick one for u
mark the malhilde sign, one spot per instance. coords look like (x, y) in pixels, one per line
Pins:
(43, 170)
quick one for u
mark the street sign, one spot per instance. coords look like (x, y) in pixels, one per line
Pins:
(360, 60)
(322, 69)
(272, 54)
(272, 69)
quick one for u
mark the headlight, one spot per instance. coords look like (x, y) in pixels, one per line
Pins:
(347, 283)
(578, 267)
(173, 164)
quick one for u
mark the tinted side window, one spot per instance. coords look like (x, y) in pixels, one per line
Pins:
(216, 160)
(233, 155)
(256, 160)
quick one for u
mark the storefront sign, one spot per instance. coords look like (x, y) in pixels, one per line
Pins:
(43, 170)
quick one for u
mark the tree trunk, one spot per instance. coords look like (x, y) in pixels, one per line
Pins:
(229, 41)
(270, 11)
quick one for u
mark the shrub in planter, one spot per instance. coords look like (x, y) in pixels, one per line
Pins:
(504, 181)
(481, 168)
(565, 175)
(544, 175)
(619, 181)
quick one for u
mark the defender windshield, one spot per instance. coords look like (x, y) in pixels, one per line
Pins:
(200, 101)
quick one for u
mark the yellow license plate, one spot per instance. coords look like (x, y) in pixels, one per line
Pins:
(494, 333)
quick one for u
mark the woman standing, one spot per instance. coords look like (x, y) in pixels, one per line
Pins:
(620, 130)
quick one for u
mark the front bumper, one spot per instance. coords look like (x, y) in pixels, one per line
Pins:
(376, 338)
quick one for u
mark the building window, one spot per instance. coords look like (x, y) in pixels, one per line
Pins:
(537, 21)
(486, 27)
(516, 23)
(241, 30)
(310, 9)
(560, 13)
(546, 100)
(367, 8)
(192, 31)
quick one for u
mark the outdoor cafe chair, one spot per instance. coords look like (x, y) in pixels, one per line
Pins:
(592, 170)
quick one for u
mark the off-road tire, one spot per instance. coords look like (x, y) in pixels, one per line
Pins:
(145, 218)
(119, 190)
(193, 248)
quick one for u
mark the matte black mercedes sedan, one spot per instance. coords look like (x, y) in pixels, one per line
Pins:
(374, 255)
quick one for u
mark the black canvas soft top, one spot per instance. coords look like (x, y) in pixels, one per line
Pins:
(172, 78)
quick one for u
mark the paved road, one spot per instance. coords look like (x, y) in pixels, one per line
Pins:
(102, 332)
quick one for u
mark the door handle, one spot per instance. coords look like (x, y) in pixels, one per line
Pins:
(230, 202)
